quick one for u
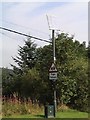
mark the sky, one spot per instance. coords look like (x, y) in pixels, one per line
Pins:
(30, 18)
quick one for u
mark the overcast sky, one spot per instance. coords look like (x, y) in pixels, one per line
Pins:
(30, 18)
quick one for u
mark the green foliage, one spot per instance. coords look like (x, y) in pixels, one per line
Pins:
(31, 77)
(72, 64)
(27, 56)
(7, 81)
(30, 84)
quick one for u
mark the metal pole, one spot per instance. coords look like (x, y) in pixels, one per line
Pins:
(55, 101)
(53, 40)
(54, 59)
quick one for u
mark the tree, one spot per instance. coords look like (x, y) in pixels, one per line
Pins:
(30, 84)
(32, 74)
(26, 58)
(44, 61)
(26, 76)
(7, 82)
(72, 64)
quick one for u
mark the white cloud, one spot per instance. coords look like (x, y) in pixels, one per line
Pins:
(20, 12)
(72, 18)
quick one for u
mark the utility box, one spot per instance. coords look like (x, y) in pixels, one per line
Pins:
(49, 111)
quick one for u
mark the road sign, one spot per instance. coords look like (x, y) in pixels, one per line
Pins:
(53, 72)
(53, 76)
(53, 68)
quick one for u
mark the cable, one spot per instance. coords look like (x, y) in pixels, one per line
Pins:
(23, 26)
(14, 38)
(24, 34)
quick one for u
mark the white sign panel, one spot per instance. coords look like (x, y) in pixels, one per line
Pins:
(53, 68)
(53, 75)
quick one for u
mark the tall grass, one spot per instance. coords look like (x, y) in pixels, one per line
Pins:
(17, 107)
(12, 107)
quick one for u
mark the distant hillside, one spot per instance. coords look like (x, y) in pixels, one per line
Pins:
(0, 76)
(5, 71)
(0, 71)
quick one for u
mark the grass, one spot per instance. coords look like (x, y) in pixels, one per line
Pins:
(71, 114)
(59, 114)
(28, 110)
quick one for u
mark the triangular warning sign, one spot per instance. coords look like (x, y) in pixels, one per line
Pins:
(53, 68)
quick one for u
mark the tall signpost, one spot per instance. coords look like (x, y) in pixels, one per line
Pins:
(53, 71)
